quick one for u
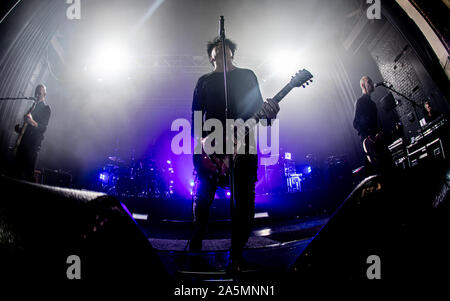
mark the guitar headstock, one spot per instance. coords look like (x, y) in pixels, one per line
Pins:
(301, 78)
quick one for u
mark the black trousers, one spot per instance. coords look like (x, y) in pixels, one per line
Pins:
(243, 213)
(25, 163)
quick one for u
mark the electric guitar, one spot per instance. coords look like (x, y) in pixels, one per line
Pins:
(373, 148)
(22, 130)
(217, 165)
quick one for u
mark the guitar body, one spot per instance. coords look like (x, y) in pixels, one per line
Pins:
(374, 148)
(22, 131)
(19, 138)
(217, 166)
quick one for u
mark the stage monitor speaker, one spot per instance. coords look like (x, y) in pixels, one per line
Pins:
(402, 218)
(56, 178)
(42, 226)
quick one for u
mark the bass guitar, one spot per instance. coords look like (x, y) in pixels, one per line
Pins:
(22, 130)
(373, 147)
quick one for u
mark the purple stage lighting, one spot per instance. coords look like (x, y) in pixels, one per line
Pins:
(307, 170)
(103, 176)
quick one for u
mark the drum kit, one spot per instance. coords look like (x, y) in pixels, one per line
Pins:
(135, 178)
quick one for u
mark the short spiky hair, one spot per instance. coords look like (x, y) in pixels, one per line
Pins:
(211, 44)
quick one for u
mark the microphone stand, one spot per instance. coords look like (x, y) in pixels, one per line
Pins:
(16, 98)
(230, 156)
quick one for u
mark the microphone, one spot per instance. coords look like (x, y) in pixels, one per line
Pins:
(221, 27)
(385, 84)
(32, 98)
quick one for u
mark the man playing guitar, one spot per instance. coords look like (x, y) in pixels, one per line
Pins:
(244, 100)
(367, 124)
(31, 135)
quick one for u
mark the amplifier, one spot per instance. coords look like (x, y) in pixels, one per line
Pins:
(56, 178)
(431, 144)
(401, 162)
(294, 183)
(397, 150)
(432, 150)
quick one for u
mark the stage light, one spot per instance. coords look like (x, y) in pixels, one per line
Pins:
(140, 216)
(110, 60)
(169, 162)
(287, 156)
(286, 63)
(261, 214)
(307, 169)
(192, 183)
(103, 177)
(263, 232)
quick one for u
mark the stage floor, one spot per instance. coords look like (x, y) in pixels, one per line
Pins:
(273, 246)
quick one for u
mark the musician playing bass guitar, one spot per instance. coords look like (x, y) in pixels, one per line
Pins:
(31, 135)
(244, 100)
(366, 122)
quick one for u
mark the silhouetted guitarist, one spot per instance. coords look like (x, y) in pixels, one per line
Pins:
(366, 122)
(34, 126)
(244, 100)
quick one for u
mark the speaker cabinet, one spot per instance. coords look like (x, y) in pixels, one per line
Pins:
(402, 218)
(41, 226)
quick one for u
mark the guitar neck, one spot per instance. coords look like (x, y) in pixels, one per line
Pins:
(283, 92)
(302, 77)
(278, 97)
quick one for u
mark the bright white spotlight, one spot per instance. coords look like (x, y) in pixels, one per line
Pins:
(109, 61)
(286, 63)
